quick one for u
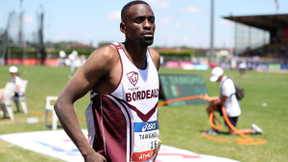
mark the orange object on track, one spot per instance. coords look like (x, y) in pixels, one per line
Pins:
(245, 140)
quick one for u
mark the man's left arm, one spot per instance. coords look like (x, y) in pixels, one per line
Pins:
(156, 60)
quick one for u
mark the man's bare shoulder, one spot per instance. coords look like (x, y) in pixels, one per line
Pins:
(107, 51)
(102, 58)
(155, 57)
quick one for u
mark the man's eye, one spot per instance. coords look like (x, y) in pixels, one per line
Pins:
(138, 21)
(151, 20)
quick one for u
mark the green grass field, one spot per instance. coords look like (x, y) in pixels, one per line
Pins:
(180, 126)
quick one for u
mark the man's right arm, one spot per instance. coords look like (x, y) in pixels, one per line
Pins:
(87, 77)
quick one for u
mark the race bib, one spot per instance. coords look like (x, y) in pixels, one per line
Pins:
(145, 140)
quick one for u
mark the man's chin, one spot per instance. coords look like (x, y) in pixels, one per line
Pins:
(146, 41)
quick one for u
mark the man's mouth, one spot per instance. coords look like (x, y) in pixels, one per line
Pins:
(148, 34)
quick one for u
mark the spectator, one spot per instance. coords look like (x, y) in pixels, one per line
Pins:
(82, 60)
(243, 68)
(62, 57)
(16, 79)
(72, 58)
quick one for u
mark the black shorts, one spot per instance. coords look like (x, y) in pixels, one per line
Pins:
(219, 108)
(233, 120)
(16, 94)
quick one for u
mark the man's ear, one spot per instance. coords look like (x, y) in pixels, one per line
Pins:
(123, 27)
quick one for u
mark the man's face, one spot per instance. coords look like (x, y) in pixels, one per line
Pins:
(219, 79)
(140, 24)
(13, 74)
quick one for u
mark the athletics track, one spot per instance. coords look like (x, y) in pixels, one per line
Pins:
(57, 144)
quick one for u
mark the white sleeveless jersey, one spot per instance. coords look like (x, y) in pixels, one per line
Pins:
(124, 122)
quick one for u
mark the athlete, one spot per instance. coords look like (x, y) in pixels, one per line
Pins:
(123, 82)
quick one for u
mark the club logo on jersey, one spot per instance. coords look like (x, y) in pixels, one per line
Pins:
(133, 77)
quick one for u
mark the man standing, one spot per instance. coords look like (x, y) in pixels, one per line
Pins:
(123, 81)
(229, 101)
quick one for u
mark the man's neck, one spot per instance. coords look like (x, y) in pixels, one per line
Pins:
(137, 54)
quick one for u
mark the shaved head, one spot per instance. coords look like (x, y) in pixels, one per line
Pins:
(127, 6)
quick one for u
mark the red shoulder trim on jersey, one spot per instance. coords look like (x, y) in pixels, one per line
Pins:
(118, 46)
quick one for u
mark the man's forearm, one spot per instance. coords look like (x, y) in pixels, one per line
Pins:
(70, 124)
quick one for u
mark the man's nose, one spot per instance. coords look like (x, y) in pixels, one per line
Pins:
(146, 23)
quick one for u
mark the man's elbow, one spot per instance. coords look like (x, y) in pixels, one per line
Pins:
(57, 105)
(62, 104)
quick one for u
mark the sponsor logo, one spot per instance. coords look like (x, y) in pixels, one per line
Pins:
(145, 126)
(143, 156)
(133, 77)
(149, 126)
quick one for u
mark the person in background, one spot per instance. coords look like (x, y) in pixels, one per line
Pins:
(115, 75)
(62, 57)
(243, 68)
(227, 99)
(82, 60)
(17, 81)
(72, 58)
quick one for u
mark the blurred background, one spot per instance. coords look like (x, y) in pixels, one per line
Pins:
(190, 34)
(44, 38)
